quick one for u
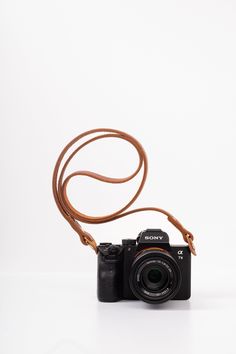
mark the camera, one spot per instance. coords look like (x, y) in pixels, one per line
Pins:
(147, 268)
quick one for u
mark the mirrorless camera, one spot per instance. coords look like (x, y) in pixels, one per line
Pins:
(147, 268)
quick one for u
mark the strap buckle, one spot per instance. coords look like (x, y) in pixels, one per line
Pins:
(189, 239)
(187, 235)
(89, 240)
(85, 237)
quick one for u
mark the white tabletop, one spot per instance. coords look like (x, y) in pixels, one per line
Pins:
(58, 313)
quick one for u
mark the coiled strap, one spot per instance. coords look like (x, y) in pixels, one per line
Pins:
(72, 215)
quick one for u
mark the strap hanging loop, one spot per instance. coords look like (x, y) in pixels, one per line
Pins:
(73, 216)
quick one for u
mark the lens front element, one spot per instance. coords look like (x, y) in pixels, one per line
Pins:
(154, 277)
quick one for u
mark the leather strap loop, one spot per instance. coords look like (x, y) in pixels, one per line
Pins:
(72, 215)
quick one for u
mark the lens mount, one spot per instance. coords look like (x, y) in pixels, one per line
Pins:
(155, 276)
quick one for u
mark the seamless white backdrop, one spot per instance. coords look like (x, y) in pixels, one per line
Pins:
(163, 72)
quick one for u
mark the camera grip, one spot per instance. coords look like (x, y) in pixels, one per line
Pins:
(108, 278)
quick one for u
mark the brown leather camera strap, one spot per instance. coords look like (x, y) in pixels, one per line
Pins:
(72, 215)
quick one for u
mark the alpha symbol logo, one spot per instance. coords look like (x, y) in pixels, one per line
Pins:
(158, 238)
(180, 254)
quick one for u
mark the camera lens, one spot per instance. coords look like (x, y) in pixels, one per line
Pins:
(155, 276)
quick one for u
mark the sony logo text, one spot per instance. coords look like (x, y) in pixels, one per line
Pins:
(153, 237)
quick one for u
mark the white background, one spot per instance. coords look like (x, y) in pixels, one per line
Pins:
(163, 71)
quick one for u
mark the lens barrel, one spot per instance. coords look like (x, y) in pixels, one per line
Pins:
(155, 276)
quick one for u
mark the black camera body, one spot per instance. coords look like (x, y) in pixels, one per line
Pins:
(148, 269)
